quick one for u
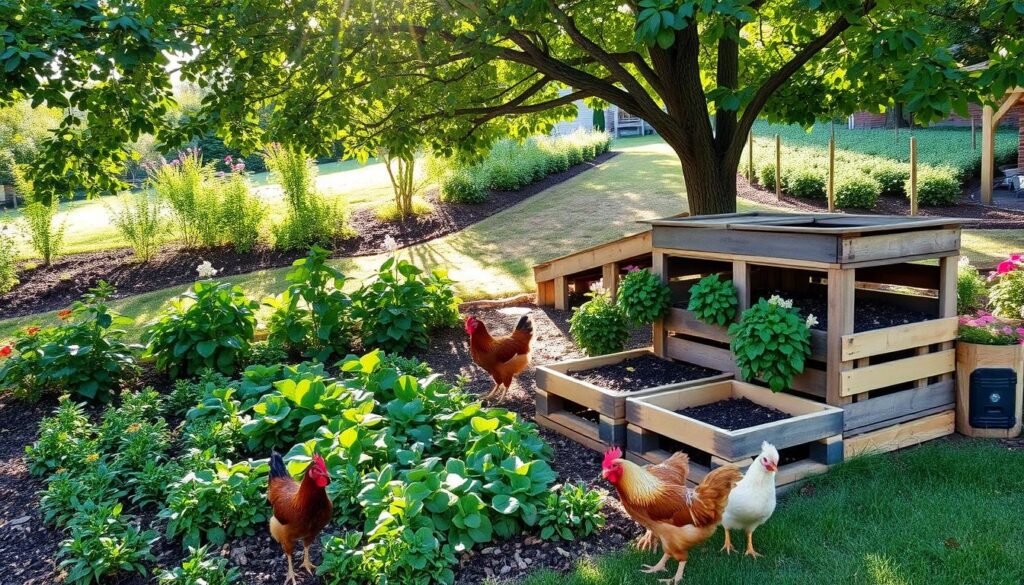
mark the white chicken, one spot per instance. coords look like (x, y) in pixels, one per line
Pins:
(752, 501)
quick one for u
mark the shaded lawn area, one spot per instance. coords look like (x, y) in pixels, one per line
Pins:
(495, 257)
(948, 512)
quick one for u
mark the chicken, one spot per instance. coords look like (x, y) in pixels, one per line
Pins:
(503, 357)
(301, 510)
(752, 501)
(656, 497)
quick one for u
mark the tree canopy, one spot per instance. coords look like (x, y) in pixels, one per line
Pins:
(453, 75)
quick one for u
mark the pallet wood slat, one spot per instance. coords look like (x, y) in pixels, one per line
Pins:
(897, 405)
(867, 248)
(684, 321)
(897, 372)
(901, 435)
(891, 339)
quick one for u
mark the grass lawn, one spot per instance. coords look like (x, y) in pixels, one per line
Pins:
(949, 512)
(495, 257)
(89, 228)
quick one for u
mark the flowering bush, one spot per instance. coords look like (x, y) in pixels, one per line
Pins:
(189, 188)
(772, 342)
(82, 355)
(1007, 292)
(985, 329)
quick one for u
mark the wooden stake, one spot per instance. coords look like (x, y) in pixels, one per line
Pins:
(831, 174)
(750, 157)
(913, 175)
(778, 167)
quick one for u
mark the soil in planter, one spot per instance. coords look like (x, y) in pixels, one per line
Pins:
(733, 414)
(643, 372)
(867, 316)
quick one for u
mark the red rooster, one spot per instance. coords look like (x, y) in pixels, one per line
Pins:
(503, 357)
(301, 510)
(656, 497)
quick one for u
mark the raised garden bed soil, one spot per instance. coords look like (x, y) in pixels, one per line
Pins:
(733, 414)
(641, 373)
(867, 315)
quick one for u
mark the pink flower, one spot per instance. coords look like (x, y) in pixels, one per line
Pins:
(631, 268)
(1017, 257)
(5, 351)
(1006, 266)
(1008, 330)
(228, 159)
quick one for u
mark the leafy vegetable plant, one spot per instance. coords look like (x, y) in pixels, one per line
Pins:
(200, 567)
(771, 342)
(713, 300)
(599, 326)
(644, 297)
(103, 542)
(572, 511)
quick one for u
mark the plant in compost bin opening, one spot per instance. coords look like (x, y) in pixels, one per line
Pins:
(1007, 293)
(771, 342)
(599, 326)
(713, 300)
(643, 296)
(208, 327)
(985, 329)
(83, 354)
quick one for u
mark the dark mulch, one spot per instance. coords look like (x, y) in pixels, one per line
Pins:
(978, 216)
(867, 316)
(642, 372)
(28, 548)
(55, 287)
(733, 414)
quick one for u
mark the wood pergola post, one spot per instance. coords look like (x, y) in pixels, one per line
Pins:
(989, 121)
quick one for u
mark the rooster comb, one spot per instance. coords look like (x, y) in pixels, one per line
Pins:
(319, 461)
(611, 455)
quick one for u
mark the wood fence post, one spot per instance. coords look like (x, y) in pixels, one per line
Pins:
(778, 168)
(974, 134)
(832, 174)
(913, 175)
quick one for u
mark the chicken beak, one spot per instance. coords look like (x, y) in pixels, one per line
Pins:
(771, 466)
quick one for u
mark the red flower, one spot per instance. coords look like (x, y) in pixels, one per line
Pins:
(32, 330)
(64, 315)
(1006, 266)
(5, 351)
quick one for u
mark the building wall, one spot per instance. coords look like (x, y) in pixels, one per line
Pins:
(868, 120)
(871, 120)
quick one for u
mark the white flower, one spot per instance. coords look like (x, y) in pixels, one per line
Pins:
(964, 261)
(206, 270)
(811, 321)
(390, 244)
(597, 286)
(780, 302)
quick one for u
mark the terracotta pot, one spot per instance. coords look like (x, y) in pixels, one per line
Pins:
(971, 356)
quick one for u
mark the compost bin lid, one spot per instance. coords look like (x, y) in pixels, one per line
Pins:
(823, 223)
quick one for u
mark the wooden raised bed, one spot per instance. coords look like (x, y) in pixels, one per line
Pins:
(883, 377)
(810, 440)
(561, 398)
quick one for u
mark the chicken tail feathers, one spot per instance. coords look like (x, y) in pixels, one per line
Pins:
(525, 324)
(712, 494)
(277, 468)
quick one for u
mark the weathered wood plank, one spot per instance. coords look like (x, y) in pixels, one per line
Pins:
(841, 293)
(683, 321)
(890, 339)
(659, 265)
(753, 259)
(794, 246)
(883, 246)
(897, 372)
(897, 405)
(561, 293)
(900, 436)
(616, 251)
(902, 274)
(585, 440)
(694, 352)
(610, 278)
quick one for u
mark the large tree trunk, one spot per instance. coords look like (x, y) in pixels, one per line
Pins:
(710, 190)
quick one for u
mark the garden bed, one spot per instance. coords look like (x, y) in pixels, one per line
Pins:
(810, 432)
(570, 393)
(55, 287)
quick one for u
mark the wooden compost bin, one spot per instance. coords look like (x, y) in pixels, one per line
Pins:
(562, 398)
(895, 384)
(809, 441)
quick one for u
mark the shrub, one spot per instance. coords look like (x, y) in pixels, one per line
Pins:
(806, 183)
(857, 191)
(1007, 295)
(463, 186)
(971, 289)
(200, 567)
(644, 297)
(140, 221)
(208, 327)
(390, 212)
(8, 263)
(571, 512)
(65, 440)
(599, 326)
(771, 342)
(310, 219)
(103, 542)
(7, 165)
(313, 315)
(263, 353)
(82, 355)
(766, 177)
(241, 213)
(713, 300)
(45, 237)
(891, 176)
(936, 186)
(188, 187)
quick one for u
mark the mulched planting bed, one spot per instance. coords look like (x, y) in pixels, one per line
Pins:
(55, 287)
(28, 547)
(733, 414)
(641, 373)
(867, 316)
(981, 216)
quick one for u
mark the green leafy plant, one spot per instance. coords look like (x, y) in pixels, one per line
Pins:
(83, 355)
(208, 327)
(571, 512)
(463, 186)
(313, 315)
(150, 485)
(191, 194)
(971, 289)
(766, 177)
(241, 213)
(140, 221)
(8, 261)
(102, 543)
(713, 300)
(644, 297)
(66, 440)
(936, 186)
(200, 567)
(771, 342)
(599, 326)
(857, 191)
(1007, 295)
(806, 183)
(891, 176)
(67, 491)
(38, 217)
(310, 220)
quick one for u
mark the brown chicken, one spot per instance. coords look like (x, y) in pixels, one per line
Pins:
(503, 357)
(301, 510)
(656, 497)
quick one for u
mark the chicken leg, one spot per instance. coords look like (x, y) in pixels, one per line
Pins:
(675, 579)
(656, 568)
(750, 545)
(306, 564)
(291, 578)
(727, 547)
(495, 392)
(647, 542)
